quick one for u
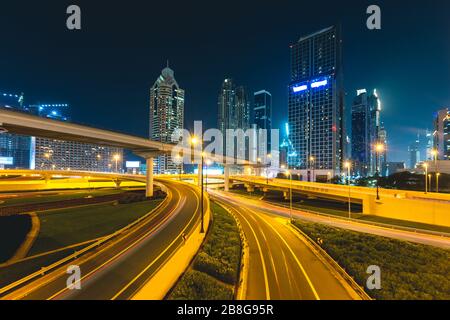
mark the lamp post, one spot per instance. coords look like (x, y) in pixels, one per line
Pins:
(312, 165)
(288, 173)
(194, 141)
(425, 165)
(429, 182)
(116, 159)
(348, 166)
(437, 182)
(379, 147)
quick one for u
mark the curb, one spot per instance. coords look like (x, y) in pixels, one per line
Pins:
(30, 238)
(241, 290)
(333, 264)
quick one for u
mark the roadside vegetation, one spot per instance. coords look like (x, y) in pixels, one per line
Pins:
(214, 272)
(65, 227)
(408, 271)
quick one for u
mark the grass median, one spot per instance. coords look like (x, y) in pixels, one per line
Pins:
(214, 272)
(408, 271)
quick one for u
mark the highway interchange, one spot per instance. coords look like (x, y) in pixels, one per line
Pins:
(282, 265)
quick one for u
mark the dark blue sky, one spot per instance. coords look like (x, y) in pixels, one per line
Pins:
(105, 71)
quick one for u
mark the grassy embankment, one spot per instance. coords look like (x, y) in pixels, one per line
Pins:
(66, 227)
(215, 270)
(408, 271)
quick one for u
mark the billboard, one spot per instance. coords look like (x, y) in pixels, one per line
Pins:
(6, 161)
(133, 164)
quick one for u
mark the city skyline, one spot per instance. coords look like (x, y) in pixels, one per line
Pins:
(361, 47)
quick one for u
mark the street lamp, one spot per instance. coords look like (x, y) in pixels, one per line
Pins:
(348, 166)
(429, 182)
(194, 141)
(379, 148)
(313, 166)
(288, 173)
(425, 165)
(116, 159)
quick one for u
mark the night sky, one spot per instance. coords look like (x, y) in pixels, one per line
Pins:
(105, 70)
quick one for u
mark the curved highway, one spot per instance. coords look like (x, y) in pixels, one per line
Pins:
(281, 265)
(118, 269)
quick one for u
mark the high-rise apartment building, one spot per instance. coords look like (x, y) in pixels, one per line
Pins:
(233, 114)
(14, 149)
(166, 116)
(316, 104)
(366, 133)
(442, 133)
(262, 111)
(52, 154)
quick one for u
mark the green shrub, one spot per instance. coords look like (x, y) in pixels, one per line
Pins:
(408, 271)
(196, 285)
(215, 268)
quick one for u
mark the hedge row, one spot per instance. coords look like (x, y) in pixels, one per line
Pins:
(408, 271)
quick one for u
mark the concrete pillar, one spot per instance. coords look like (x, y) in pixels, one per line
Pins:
(250, 188)
(286, 195)
(199, 180)
(149, 178)
(226, 174)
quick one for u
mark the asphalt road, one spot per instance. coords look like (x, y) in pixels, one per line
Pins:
(416, 237)
(281, 265)
(115, 270)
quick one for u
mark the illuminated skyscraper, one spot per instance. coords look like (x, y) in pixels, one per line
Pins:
(366, 133)
(442, 133)
(316, 105)
(233, 112)
(166, 116)
(14, 149)
(262, 111)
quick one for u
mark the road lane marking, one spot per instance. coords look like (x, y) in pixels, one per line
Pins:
(293, 254)
(266, 280)
(160, 255)
(86, 276)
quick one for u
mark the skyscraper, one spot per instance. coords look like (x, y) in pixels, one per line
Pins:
(414, 153)
(366, 132)
(262, 111)
(233, 113)
(14, 149)
(316, 104)
(442, 133)
(166, 116)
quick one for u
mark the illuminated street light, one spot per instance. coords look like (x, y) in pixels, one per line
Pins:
(193, 142)
(348, 166)
(435, 154)
(313, 167)
(379, 148)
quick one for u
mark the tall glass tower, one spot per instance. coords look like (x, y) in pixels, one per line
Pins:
(316, 105)
(262, 111)
(166, 116)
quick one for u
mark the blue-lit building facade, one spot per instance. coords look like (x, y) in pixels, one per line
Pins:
(15, 151)
(316, 105)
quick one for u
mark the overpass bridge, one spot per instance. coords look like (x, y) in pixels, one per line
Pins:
(30, 125)
(430, 208)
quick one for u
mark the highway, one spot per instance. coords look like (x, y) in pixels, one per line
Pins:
(118, 269)
(281, 265)
(416, 237)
